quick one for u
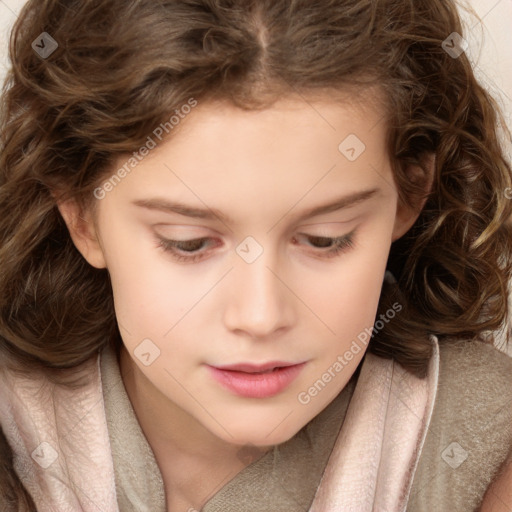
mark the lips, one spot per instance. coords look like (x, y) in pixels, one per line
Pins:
(255, 368)
(256, 381)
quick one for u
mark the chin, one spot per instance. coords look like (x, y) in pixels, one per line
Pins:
(259, 434)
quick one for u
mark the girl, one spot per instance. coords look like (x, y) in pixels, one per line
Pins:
(253, 254)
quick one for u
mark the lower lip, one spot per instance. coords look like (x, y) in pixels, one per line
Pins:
(257, 385)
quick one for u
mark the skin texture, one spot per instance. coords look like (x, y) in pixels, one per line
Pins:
(292, 303)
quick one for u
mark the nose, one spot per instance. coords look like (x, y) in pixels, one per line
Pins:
(260, 301)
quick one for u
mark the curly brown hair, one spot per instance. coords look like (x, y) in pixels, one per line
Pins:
(122, 66)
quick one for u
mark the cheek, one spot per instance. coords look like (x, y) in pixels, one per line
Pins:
(151, 294)
(346, 294)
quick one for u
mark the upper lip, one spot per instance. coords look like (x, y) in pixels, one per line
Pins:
(255, 368)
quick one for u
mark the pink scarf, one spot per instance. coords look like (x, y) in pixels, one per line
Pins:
(63, 457)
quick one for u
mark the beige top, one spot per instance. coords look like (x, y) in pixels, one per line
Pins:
(469, 436)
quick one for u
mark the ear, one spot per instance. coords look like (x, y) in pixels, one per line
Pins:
(406, 216)
(83, 232)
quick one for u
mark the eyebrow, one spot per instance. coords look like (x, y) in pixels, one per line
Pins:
(161, 204)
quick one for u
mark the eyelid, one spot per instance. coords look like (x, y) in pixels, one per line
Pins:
(342, 222)
(193, 227)
(339, 246)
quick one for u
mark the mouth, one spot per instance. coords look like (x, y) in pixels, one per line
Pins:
(257, 381)
(255, 368)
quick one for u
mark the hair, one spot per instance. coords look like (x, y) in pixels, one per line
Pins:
(122, 68)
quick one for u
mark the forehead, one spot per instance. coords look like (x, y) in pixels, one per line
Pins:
(320, 109)
(298, 150)
(292, 128)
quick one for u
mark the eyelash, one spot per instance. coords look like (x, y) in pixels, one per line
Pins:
(339, 245)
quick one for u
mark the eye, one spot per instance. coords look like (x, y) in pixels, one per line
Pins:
(332, 246)
(192, 250)
(186, 246)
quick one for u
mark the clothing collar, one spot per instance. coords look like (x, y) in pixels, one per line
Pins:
(375, 457)
(63, 457)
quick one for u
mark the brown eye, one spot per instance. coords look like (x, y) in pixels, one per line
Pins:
(184, 250)
(322, 242)
(331, 246)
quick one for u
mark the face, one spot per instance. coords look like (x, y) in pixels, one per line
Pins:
(222, 251)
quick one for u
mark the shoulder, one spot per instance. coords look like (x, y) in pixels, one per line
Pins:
(480, 359)
(474, 379)
(471, 427)
(474, 396)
